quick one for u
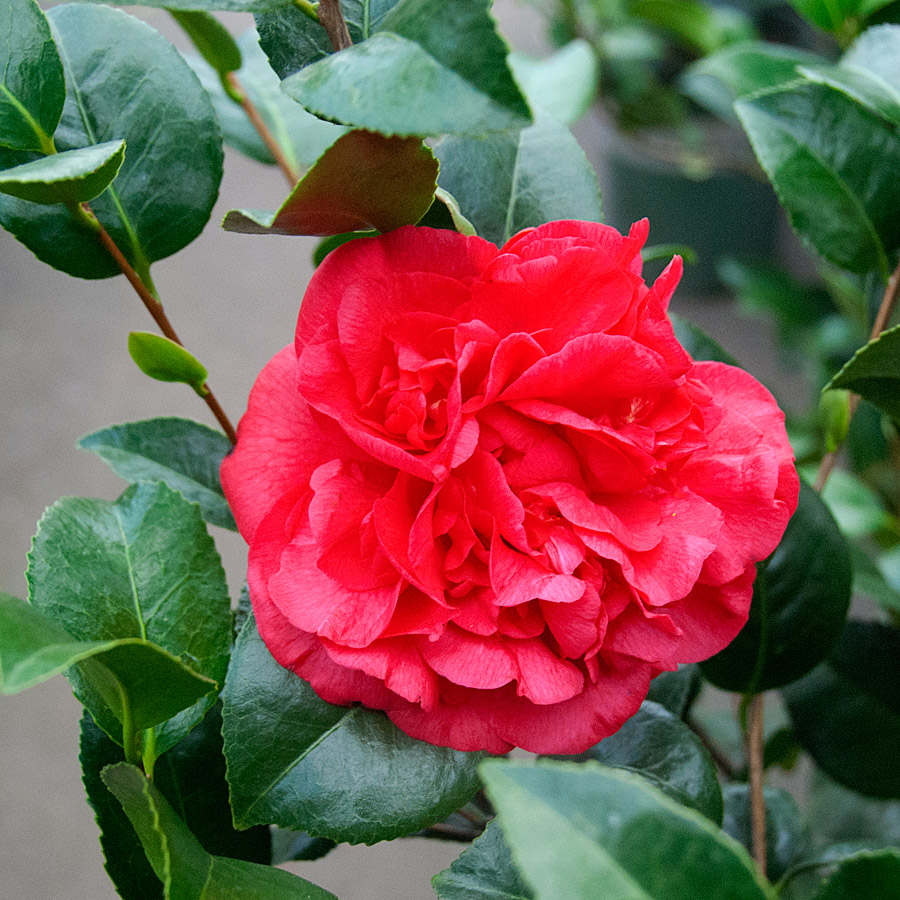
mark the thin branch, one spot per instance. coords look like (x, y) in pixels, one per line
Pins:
(719, 758)
(238, 93)
(755, 746)
(885, 311)
(332, 20)
(86, 215)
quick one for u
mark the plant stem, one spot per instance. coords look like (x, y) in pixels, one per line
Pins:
(84, 214)
(332, 20)
(308, 9)
(239, 95)
(755, 740)
(888, 303)
(719, 758)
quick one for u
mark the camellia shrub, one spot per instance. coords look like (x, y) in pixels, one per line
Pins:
(495, 496)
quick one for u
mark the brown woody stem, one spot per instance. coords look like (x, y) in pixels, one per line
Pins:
(888, 303)
(755, 743)
(86, 215)
(332, 20)
(256, 120)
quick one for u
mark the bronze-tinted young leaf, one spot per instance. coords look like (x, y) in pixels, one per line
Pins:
(164, 360)
(800, 600)
(846, 712)
(143, 567)
(32, 87)
(184, 454)
(363, 181)
(281, 743)
(126, 82)
(874, 372)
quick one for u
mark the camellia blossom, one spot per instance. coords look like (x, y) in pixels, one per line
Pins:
(488, 492)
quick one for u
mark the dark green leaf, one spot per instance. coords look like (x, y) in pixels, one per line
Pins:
(165, 360)
(786, 836)
(246, 6)
(126, 82)
(180, 862)
(698, 343)
(875, 875)
(301, 136)
(143, 566)
(282, 743)
(211, 38)
(484, 872)
(675, 690)
(72, 176)
(656, 744)
(867, 90)
(33, 89)
(800, 600)
(874, 372)
(290, 845)
(392, 184)
(587, 832)
(326, 245)
(564, 84)
(185, 455)
(832, 163)
(846, 712)
(135, 681)
(520, 179)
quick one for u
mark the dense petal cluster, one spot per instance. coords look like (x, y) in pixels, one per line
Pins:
(487, 491)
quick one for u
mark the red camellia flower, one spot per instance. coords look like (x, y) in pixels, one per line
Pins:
(487, 491)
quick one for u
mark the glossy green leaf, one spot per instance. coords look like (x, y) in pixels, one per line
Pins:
(875, 53)
(245, 6)
(301, 136)
(290, 845)
(143, 566)
(326, 245)
(32, 90)
(281, 743)
(786, 836)
(698, 343)
(484, 872)
(716, 81)
(211, 38)
(833, 165)
(875, 874)
(72, 176)
(800, 601)
(675, 690)
(563, 84)
(520, 179)
(846, 712)
(392, 184)
(136, 681)
(587, 832)
(164, 360)
(184, 454)
(874, 372)
(187, 871)
(656, 744)
(126, 82)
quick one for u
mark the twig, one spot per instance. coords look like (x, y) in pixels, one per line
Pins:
(888, 302)
(240, 96)
(332, 20)
(755, 741)
(86, 215)
(719, 758)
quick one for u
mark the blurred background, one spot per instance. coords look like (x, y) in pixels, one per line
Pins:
(65, 371)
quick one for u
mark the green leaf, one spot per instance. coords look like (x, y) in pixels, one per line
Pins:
(870, 580)
(698, 343)
(245, 6)
(832, 163)
(126, 82)
(32, 90)
(139, 683)
(520, 179)
(875, 53)
(800, 601)
(72, 176)
(702, 27)
(392, 184)
(301, 136)
(656, 744)
(564, 84)
(786, 836)
(874, 372)
(184, 454)
(872, 875)
(164, 360)
(187, 871)
(211, 38)
(290, 845)
(484, 872)
(326, 245)
(142, 567)
(846, 712)
(281, 743)
(675, 690)
(587, 832)
(829, 15)
(444, 212)
(857, 509)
